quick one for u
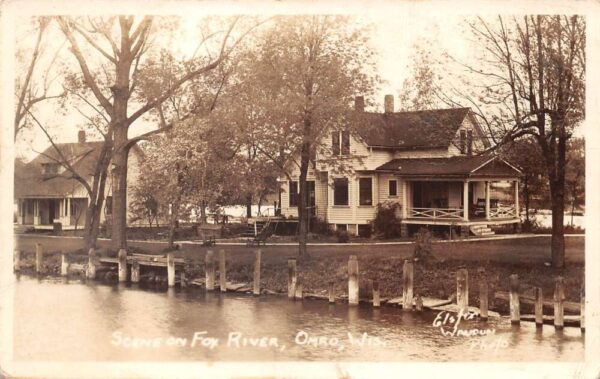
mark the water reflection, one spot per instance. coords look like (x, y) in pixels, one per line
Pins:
(77, 321)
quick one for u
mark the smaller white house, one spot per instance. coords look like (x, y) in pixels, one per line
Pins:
(46, 193)
(427, 162)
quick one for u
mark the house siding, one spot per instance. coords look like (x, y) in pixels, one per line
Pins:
(361, 162)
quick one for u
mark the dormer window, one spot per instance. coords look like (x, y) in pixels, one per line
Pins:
(469, 142)
(340, 142)
(50, 168)
(466, 142)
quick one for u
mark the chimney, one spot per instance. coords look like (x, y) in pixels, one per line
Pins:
(389, 104)
(359, 104)
(81, 136)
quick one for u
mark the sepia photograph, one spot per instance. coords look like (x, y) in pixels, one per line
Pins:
(272, 189)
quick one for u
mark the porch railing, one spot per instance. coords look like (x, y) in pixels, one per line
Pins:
(437, 213)
(503, 211)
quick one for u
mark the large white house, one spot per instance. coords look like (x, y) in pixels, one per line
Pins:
(428, 162)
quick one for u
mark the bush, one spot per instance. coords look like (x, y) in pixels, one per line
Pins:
(386, 224)
(423, 248)
(342, 236)
(320, 226)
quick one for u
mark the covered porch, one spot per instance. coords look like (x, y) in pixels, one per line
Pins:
(458, 190)
(42, 213)
(469, 201)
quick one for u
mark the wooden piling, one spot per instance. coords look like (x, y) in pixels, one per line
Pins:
(292, 278)
(17, 261)
(135, 272)
(462, 290)
(515, 307)
(331, 292)
(39, 256)
(299, 295)
(209, 270)
(222, 271)
(539, 307)
(559, 306)
(122, 255)
(376, 298)
(483, 299)
(171, 269)
(418, 303)
(91, 267)
(64, 264)
(182, 278)
(257, 256)
(353, 280)
(408, 276)
(582, 313)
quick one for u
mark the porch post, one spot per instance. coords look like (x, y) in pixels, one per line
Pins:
(36, 212)
(404, 189)
(68, 215)
(487, 199)
(466, 200)
(517, 212)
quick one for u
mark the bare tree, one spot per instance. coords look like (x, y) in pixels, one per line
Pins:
(529, 81)
(119, 43)
(28, 92)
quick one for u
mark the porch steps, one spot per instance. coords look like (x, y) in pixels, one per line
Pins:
(481, 230)
(250, 231)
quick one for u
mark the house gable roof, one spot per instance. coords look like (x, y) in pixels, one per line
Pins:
(429, 129)
(31, 182)
(458, 166)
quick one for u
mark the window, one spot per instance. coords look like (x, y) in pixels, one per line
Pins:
(50, 168)
(335, 143)
(340, 191)
(365, 191)
(293, 185)
(463, 142)
(470, 142)
(393, 188)
(340, 143)
(345, 142)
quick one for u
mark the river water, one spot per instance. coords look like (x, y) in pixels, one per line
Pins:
(59, 320)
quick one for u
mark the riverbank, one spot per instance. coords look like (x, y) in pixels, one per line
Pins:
(435, 278)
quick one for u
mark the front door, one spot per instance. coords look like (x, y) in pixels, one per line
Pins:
(51, 210)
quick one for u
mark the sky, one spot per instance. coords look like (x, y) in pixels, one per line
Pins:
(393, 36)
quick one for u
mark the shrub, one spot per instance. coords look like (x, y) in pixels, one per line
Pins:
(320, 226)
(423, 248)
(342, 236)
(386, 223)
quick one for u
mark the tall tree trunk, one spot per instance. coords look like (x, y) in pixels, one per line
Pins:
(94, 210)
(526, 195)
(173, 224)
(119, 196)
(303, 196)
(249, 205)
(203, 212)
(556, 173)
(558, 228)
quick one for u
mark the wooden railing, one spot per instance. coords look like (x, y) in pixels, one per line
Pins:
(437, 213)
(503, 211)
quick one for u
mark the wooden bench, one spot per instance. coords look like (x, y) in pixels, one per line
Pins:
(210, 241)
